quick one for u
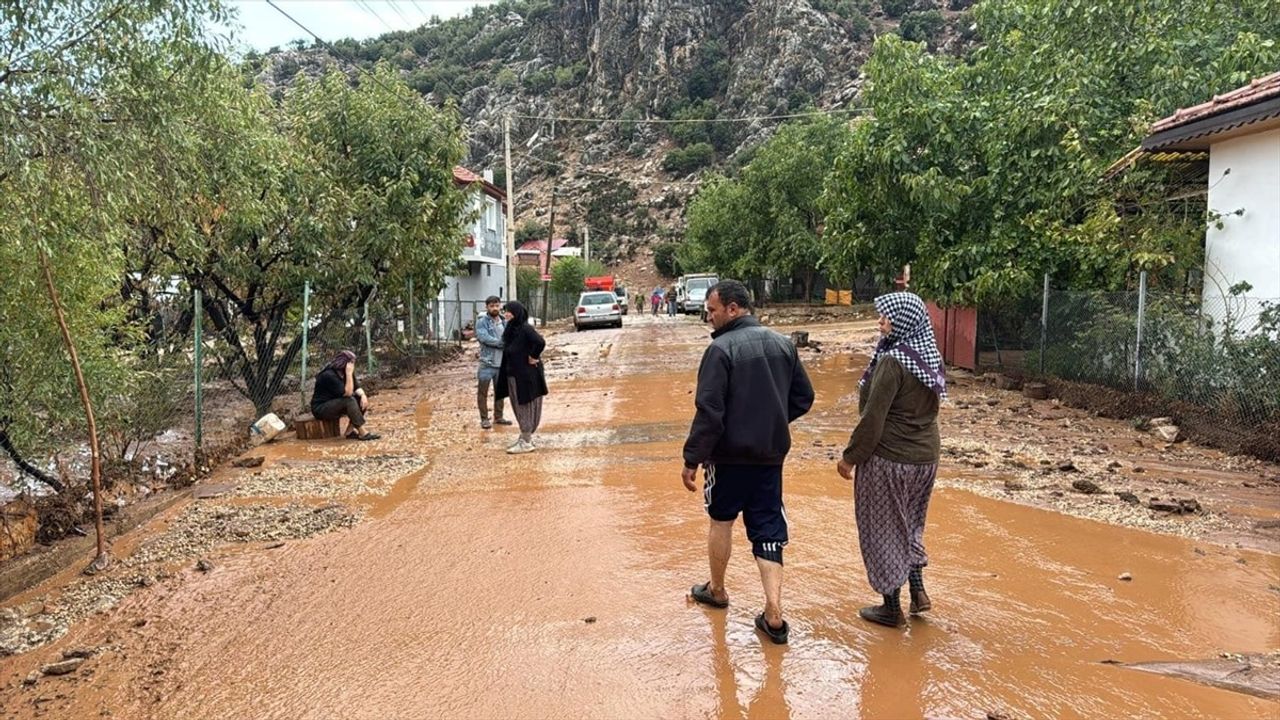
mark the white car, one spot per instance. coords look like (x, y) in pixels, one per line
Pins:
(598, 307)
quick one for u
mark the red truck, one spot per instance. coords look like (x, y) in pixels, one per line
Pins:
(610, 283)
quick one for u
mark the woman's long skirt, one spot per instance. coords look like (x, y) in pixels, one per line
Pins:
(890, 501)
(528, 415)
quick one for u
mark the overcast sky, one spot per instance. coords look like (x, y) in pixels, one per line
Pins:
(262, 26)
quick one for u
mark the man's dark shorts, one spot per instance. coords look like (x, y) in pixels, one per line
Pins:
(755, 491)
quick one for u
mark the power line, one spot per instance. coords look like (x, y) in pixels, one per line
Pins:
(396, 9)
(584, 171)
(364, 4)
(356, 64)
(425, 18)
(672, 121)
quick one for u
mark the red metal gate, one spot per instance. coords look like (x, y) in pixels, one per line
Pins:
(957, 331)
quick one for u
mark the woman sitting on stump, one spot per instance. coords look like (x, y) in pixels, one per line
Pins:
(338, 394)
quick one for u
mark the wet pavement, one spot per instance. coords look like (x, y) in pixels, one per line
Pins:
(554, 585)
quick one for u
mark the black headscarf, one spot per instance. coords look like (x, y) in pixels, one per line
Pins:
(519, 318)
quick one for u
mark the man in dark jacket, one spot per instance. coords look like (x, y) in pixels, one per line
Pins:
(751, 386)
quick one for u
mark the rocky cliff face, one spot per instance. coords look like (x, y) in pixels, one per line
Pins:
(749, 58)
(631, 60)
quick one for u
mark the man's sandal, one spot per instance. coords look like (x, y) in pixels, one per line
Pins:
(703, 596)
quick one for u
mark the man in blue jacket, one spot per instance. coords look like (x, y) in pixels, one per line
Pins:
(489, 327)
(751, 386)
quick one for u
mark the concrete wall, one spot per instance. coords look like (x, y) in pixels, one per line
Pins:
(1247, 248)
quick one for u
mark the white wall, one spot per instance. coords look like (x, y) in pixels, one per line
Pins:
(1247, 248)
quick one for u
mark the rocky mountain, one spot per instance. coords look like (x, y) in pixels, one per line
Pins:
(659, 84)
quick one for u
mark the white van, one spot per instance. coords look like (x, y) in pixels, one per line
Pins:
(691, 291)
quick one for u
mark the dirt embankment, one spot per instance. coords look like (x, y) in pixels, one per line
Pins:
(1047, 453)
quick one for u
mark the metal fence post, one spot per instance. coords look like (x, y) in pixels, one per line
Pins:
(1044, 323)
(368, 339)
(413, 331)
(197, 307)
(306, 326)
(1142, 311)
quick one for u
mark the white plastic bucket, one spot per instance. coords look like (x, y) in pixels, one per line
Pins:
(267, 427)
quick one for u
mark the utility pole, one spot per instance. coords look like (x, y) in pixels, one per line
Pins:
(509, 225)
(546, 259)
(586, 244)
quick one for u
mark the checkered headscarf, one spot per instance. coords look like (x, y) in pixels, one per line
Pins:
(910, 342)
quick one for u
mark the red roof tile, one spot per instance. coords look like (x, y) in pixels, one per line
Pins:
(1261, 89)
(540, 246)
(463, 176)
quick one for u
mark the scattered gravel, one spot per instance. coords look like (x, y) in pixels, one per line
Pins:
(1025, 474)
(338, 477)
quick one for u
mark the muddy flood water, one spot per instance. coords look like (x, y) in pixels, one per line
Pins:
(554, 585)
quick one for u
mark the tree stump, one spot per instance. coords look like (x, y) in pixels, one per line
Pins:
(309, 428)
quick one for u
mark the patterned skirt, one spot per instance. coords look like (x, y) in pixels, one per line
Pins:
(890, 501)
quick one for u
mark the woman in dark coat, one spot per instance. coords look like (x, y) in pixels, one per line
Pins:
(521, 377)
(338, 394)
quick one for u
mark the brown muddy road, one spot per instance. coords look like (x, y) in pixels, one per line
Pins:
(553, 585)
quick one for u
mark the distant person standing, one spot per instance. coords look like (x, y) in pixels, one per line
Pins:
(671, 302)
(521, 377)
(489, 327)
(894, 449)
(656, 299)
(751, 386)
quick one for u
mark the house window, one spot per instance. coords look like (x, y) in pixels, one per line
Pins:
(490, 217)
(488, 271)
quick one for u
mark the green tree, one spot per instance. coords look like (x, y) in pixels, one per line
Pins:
(568, 273)
(665, 260)
(349, 187)
(82, 85)
(984, 174)
(767, 222)
(531, 230)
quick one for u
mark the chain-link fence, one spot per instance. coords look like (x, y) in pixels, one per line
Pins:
(187, 395)
(559, 306)
(1217, 353)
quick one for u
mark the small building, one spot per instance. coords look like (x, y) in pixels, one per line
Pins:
(482, 261)
(532, 253)
(1240, 130)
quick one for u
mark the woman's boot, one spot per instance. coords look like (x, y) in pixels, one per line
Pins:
(889, 614)
(920, 601)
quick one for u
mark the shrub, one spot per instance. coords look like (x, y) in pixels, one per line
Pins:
(664, 258)
(922, 26)
(894, 8)
(530, 230)
(567, 275)
(685, 160)
(539, 82)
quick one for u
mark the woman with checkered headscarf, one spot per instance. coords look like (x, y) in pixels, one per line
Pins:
(894, 452)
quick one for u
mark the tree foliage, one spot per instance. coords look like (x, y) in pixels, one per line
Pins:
(84, 86)
(141, 162)
(985, 173)
(767, 222)
(348, 187)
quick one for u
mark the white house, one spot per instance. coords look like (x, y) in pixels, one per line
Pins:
(483, 266)
(1241, 132)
